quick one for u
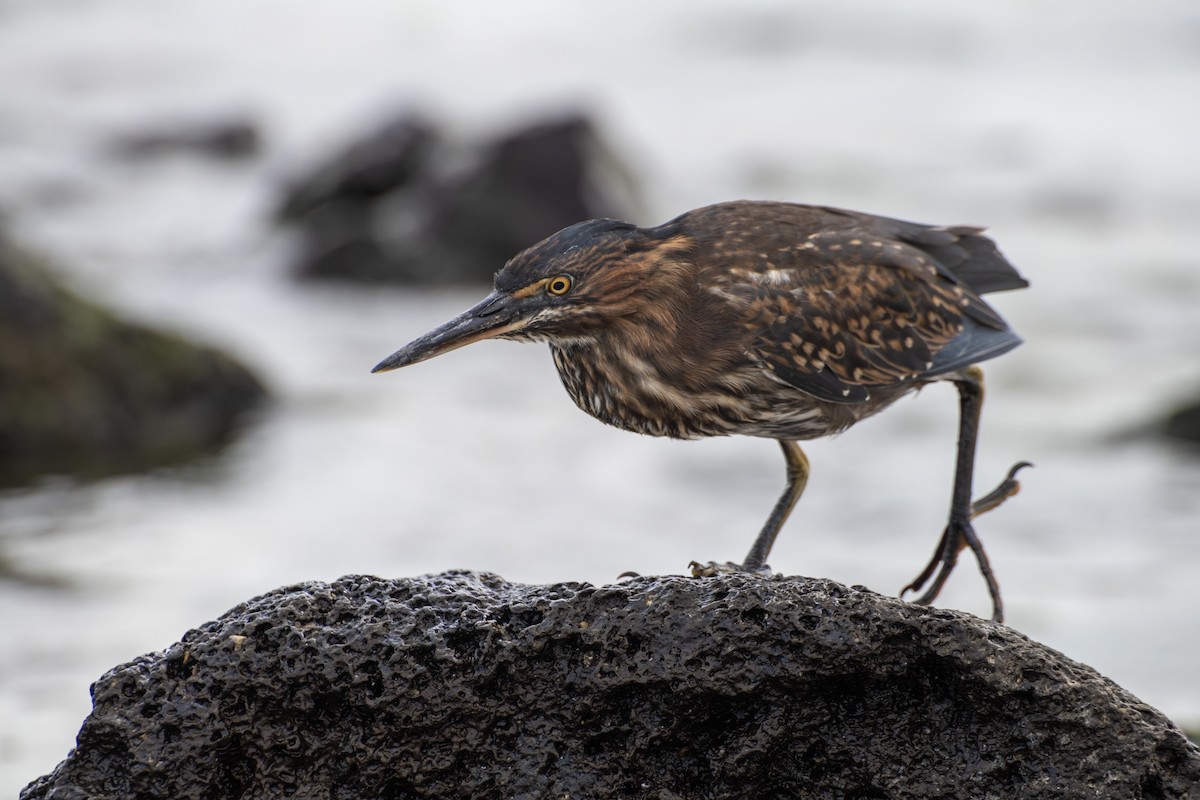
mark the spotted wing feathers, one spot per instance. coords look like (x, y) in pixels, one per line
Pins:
(837, 311)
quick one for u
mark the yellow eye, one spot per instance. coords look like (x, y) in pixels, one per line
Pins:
(559, 285)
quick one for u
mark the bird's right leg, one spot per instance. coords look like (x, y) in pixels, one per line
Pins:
(959, 534)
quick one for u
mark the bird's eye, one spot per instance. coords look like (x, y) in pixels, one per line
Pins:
(559, 285)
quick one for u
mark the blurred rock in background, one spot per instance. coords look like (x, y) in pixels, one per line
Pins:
(228, 138)
(402, 204)
(1183, 423)
(84, 393)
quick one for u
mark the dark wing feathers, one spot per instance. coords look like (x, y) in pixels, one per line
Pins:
(971, 258)
(836, 303)
(961, 251)
(976, 343)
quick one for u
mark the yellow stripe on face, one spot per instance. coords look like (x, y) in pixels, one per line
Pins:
(530, 290)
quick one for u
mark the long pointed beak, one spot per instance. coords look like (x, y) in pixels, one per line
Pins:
(495, 315)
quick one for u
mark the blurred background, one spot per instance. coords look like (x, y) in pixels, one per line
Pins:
(217, 215)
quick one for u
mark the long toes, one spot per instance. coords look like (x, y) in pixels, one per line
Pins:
(947, 550)
(711, 569)
(916, 583)
(1007, 488)
(935, 588)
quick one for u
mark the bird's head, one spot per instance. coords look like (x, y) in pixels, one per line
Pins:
(565, 289)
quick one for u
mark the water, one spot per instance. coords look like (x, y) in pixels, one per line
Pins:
(1070, 128)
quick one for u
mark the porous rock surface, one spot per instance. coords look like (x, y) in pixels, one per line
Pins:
(462, 685)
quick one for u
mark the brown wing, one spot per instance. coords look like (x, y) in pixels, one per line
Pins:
(961, 253)
(850, 328)
(837, 312)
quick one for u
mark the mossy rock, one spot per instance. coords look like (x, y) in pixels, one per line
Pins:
(86, 394)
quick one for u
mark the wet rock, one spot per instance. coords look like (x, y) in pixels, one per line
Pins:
(404, 205)
(84, 393)
(463, 685)
(225, 139)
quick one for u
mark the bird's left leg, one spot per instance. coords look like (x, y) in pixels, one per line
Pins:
(959, 533)
(797, 479)
(756, 559)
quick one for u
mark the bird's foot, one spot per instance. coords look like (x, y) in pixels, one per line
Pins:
(957, 537)
(945, 557)
(711, 569)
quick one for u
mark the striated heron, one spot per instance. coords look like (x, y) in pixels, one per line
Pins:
(776, 320)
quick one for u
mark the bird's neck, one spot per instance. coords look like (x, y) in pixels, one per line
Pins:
(686, 337)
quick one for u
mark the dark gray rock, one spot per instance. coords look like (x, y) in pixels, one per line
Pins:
(387, 158)
(233, 138)
(87, 394)
(401, 204)
(526, 185)
(461, 685)
(1183, 424)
